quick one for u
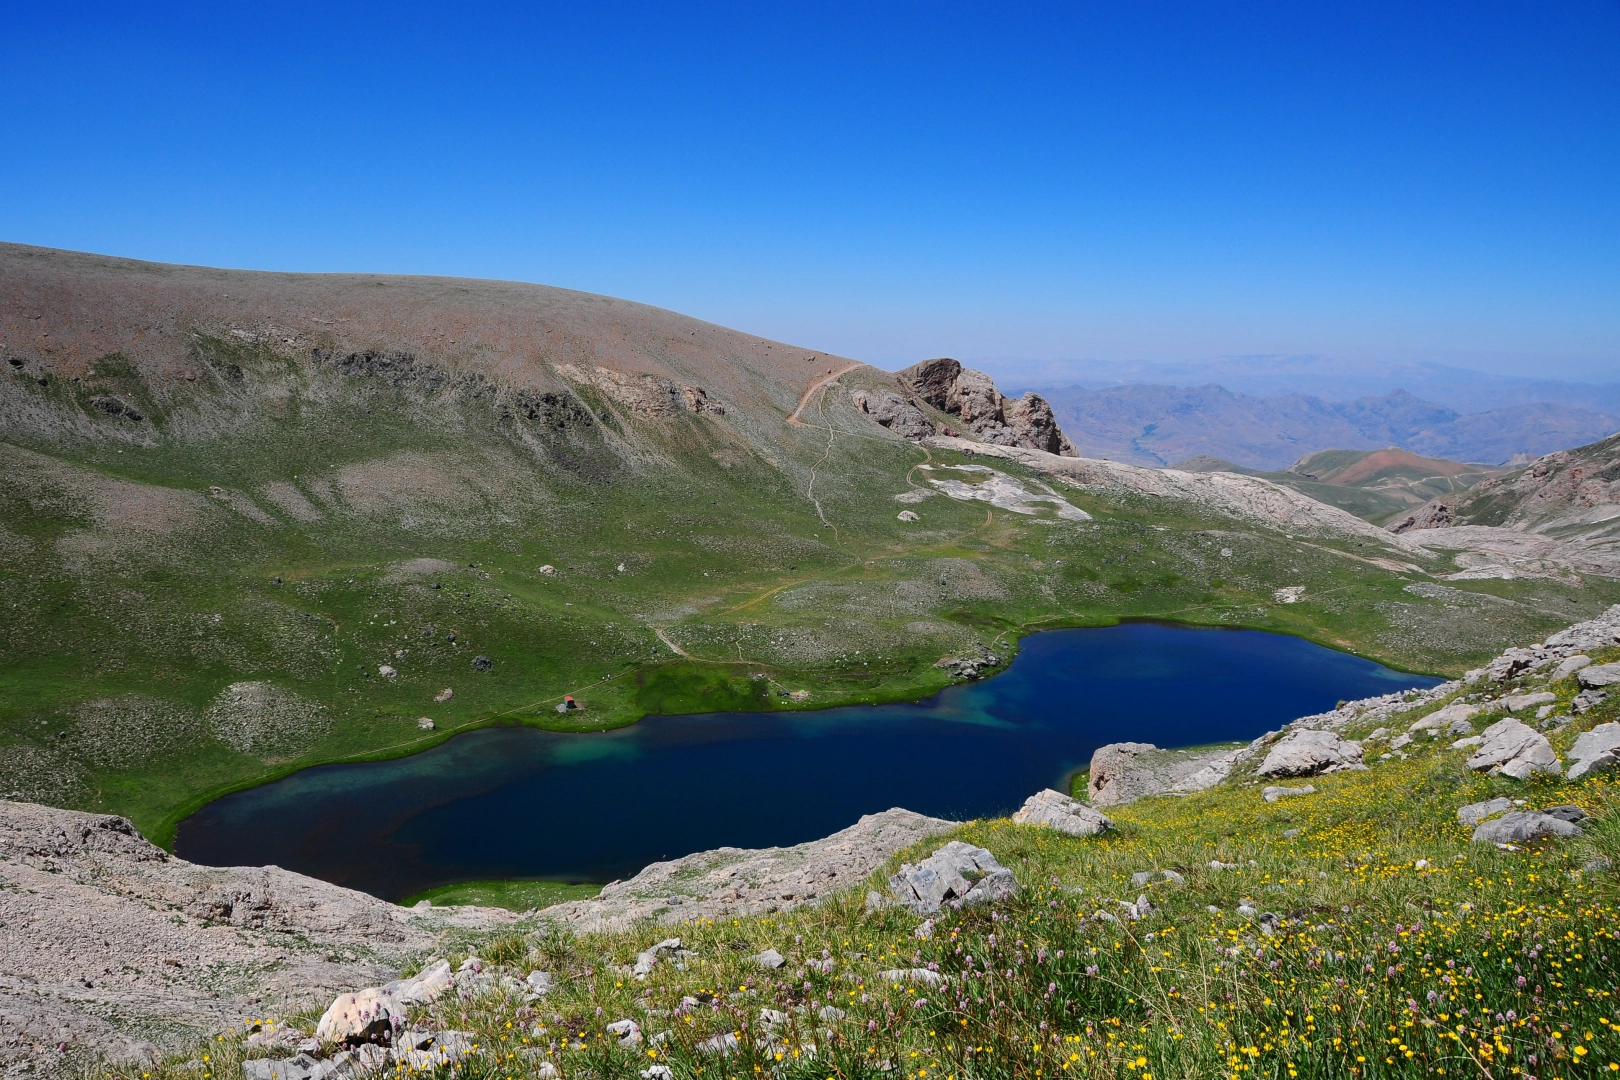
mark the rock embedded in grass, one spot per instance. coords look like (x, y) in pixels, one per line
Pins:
(1311, 752)
(1596, 751)
(1055, 810)
(1522, 826)
(958, 874)
(1598, 677)
(1272, 794)
(1474, 813)
(1510, 748)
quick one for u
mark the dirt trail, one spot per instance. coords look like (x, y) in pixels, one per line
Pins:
(817, 385)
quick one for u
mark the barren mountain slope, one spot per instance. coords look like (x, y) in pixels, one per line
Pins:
(1561, 510)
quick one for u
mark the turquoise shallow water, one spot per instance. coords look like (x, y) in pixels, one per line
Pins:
(522, 803)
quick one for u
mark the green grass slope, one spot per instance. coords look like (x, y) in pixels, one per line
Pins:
(1354, 932)
(232, 500)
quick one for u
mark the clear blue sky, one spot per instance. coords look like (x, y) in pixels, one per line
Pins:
(1108, 181)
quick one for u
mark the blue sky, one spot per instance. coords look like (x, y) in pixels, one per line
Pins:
(1010, 184)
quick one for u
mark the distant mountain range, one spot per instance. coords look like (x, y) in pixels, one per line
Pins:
(1155, 424)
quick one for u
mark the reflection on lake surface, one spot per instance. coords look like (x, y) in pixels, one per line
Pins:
(522, 803)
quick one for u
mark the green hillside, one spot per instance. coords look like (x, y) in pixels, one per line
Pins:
(233, 500)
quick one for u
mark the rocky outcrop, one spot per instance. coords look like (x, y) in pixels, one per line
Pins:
(1509, 748)
(108, 938)
(1122, 772)
(972, 397)
(894, 412)
(736, 882)
(1310, 753)
(1055, 810)
(958, 874)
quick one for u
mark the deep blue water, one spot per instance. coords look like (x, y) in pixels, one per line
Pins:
(522, 803)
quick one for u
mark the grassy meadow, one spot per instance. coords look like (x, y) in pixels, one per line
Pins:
(1354, 932)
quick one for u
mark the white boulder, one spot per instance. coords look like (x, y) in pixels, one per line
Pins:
(370, 1015)
(1596, 751)
(1511, 749)
(1310, 752)
(1056, 810)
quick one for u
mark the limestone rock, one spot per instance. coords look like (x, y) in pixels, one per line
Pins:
(958, 874)
(1520, 702)
(1122, 772)
(1474, 813)
(729, 883)
(425, 986)
(1027, 423)
(1596, 751)
(1598, 676)
(912, 975)
(770, 959)
(1058, 811)
(1512, 749)
(1570, 665)
(1523, 825)
(894, 412)
(908, 515)
(370, 1015)
(1309, 753)
(1272, 794)
(1444, 718)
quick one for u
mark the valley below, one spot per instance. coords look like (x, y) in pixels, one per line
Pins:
(417, 583)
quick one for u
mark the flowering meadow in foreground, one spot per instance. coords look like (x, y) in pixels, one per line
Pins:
(1356, 932)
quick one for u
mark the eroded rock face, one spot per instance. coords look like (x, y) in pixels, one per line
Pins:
(1509, 748)
(1311, 753)
(972, 396)
(894, 412)
(1056, 810)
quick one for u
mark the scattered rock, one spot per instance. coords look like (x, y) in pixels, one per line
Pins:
(1587, 700)
(647, 959)
(1523, 825)
(425, 723)
(1597, 677)
(482, 663)
(1474, 813)
(1570, 665)
(1272, 794)
(1145, 877)
(1309, 753)
(431, 1050)
(444, 695)
(1596, 751)
(1400, 742)
(908, 515)
(1292, 594)
(1444, 718)
(1463, 744)
(1058, 811)
(539, 983)
(1509, 748)
(770, 959)
(386, 671)
(628, 1032)
(1520, 702)
(370, 1015)
(957, 874)
(548, 570)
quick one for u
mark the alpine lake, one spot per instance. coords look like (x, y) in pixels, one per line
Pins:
(525, 804)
